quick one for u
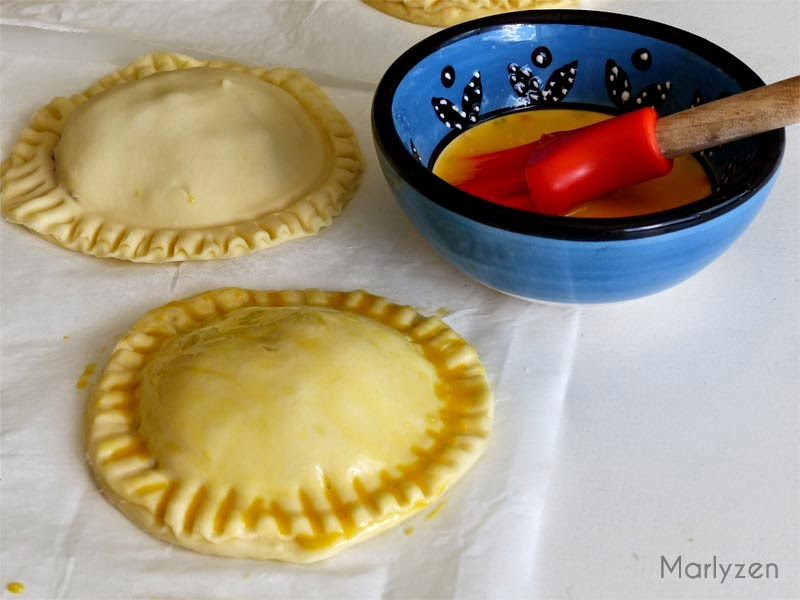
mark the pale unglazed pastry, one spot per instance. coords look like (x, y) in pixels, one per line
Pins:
(284, 425)
(173, 158)
(443, 13)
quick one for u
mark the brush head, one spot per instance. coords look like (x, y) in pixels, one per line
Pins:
(572, 167)
(561, 170)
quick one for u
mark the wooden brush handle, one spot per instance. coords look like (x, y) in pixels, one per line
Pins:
(732, 118)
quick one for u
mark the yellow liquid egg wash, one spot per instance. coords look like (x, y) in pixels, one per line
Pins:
(686, 182)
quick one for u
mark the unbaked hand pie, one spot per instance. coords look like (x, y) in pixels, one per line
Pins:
(173, 158)
(443, 13)
(284, 425)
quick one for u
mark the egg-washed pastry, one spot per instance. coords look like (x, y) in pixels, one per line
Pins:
(443, 13)
(284, 425)
(173, 158)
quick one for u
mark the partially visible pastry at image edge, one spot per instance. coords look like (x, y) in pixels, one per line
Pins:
(284, 425)
(173, 158)
(443, 13)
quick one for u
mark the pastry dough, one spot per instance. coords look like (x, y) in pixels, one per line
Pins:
(284, 425)
(174, 158)
(443, 13)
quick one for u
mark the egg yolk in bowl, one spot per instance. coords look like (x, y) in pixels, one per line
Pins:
(686, 182)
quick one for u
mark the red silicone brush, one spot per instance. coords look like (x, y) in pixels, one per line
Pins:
(564, 169)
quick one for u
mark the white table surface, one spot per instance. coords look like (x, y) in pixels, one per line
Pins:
(664, 426)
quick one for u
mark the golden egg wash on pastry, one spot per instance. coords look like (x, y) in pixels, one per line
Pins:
(174, 158)
(443, 13)
(284, 425)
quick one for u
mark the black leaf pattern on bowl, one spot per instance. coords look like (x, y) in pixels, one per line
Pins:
(524, 83)
(653, 95)
(618, 84)
(527, 85)
(736, 166)
(414, 150)
(451, 115)
(730, 172)
(620, 90)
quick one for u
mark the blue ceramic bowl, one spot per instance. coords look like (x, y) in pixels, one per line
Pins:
(615, 63)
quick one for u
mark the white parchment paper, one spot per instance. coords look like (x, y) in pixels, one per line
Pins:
(663, 426)
(62, 311)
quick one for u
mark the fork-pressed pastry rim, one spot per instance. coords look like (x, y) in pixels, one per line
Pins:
(32, 195)
(442, 13)
(220, 519)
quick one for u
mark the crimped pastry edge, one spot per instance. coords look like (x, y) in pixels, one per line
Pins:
(31, 195)
(443, 13)
(110, 420)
